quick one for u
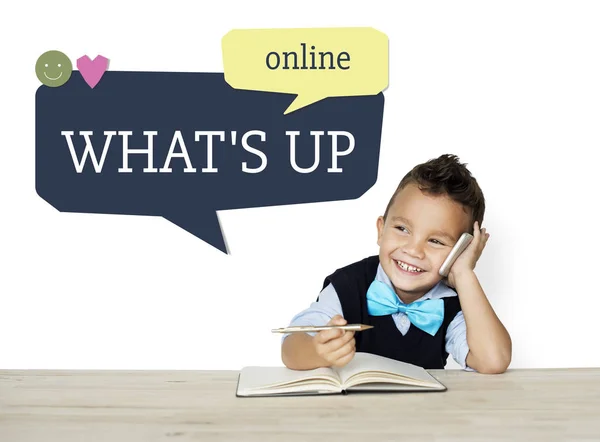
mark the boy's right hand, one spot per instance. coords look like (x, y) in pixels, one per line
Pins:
(335, 347)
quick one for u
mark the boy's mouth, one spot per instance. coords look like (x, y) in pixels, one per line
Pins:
(407, 268)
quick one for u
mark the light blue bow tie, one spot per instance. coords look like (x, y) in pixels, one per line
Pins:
(427, 315)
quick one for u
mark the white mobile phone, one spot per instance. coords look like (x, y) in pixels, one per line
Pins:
(462, 243)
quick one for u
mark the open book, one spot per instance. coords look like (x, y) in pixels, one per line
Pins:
(365, 372)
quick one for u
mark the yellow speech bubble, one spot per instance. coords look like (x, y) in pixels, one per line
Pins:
(314, 63)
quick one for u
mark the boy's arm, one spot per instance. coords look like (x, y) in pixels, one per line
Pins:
(298, 352)
(490, 346)
(305, 351)
(328, 348)
(456, 341)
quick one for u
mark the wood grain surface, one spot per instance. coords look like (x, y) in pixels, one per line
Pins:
(67, 406)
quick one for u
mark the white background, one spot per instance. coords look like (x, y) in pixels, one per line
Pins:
(511, 87)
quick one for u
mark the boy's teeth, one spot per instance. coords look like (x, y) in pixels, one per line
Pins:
(409, 268)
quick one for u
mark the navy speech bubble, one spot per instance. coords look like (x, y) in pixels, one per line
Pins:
(184, 145)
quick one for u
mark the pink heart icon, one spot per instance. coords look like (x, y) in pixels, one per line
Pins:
(92, 70)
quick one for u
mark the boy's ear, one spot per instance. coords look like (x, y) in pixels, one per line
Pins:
(380, 224)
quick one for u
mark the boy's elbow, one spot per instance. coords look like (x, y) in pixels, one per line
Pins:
(495, 365)
(493, 368)
(491, 363)
(495, 360)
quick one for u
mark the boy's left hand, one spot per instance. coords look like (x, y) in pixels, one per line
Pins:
(468, 259)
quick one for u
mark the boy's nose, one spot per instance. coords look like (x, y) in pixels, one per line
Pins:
(414, 248)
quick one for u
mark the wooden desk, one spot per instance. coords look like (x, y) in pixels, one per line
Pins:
(89, 406)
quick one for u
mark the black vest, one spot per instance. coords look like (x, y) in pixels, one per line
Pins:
(417, 347)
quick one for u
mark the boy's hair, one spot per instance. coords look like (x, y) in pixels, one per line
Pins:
(446, 175)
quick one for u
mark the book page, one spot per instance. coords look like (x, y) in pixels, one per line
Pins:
(387, 386)
(274, 379)
(366, 367)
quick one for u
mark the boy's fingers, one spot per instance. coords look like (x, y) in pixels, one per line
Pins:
(332, 320)
(347, 336)
(482, 240)
(343, 361)
(343, 348)
(325, 336)
(476, 233)
(333, 345)
(343, 351)
(338, 342)
(476, 239)
(337, 320)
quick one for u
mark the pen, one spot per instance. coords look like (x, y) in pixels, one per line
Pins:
(311, 328)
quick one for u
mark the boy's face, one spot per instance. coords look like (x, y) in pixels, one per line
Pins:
(420, 231)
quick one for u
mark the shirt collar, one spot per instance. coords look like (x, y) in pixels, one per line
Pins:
(440, 290)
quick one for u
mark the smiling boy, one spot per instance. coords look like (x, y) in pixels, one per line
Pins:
(418, 317)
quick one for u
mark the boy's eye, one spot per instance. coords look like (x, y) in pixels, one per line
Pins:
(435, 241)
(401, 228)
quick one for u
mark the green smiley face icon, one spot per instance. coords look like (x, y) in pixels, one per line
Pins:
(53, 68)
